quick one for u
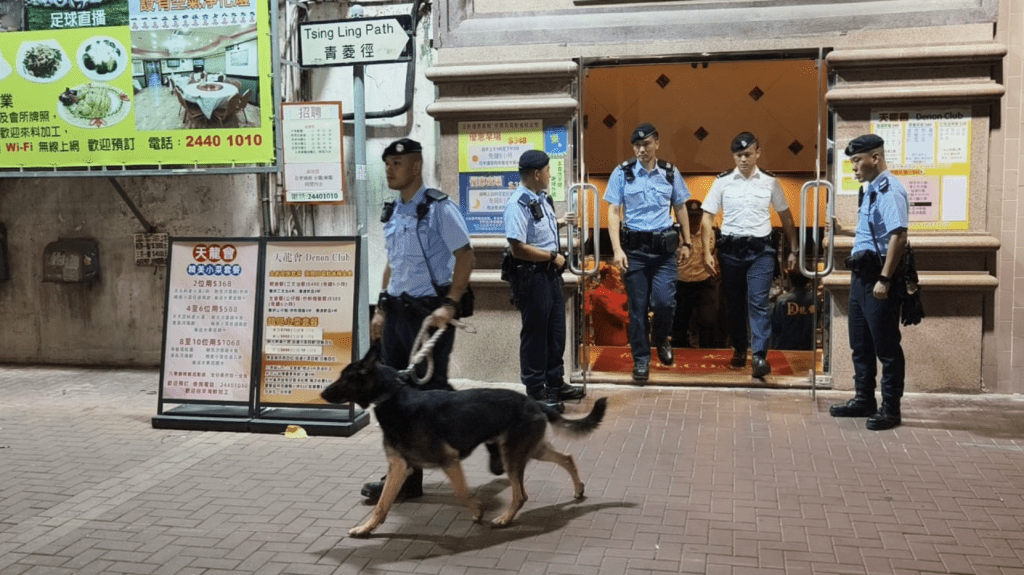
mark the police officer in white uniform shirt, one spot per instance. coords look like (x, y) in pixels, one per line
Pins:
(745, 196)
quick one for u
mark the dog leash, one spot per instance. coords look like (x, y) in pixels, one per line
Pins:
(423, 347)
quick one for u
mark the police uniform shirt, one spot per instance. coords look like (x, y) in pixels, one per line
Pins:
(888, 212)
(520, 225)
(647, 198)
(744, 202)
(441, 232)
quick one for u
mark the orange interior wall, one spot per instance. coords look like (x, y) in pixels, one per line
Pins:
(699, 108)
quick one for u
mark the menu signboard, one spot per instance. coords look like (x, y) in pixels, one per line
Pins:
(90, 83)
(308, 317)
(211, 308)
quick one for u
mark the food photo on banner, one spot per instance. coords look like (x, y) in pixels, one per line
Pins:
(162, 83)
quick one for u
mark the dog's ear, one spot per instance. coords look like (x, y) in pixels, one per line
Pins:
(372, 356)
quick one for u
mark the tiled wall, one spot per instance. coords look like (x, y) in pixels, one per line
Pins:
(1004, 357)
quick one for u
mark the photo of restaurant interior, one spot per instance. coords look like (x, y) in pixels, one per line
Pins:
(203, 78)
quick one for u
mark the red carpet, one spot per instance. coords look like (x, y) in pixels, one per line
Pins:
(692, 361)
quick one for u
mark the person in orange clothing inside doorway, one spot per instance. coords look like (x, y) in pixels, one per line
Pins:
(696, 288)
(606, 305)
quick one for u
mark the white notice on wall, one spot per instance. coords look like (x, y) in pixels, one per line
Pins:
(954, 198)
(952, 142)
(314, 168)
(920, 143)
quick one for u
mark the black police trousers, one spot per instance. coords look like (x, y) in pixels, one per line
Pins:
(541, 305)
(875, 338)
(401, 326)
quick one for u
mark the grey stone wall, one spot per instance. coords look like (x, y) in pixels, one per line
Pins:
(119, 319)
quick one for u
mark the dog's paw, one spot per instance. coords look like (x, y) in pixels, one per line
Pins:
(476, 509)
(579, 492)
(501, 521)
(361, 531)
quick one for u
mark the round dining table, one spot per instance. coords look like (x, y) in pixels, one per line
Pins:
(208, 95)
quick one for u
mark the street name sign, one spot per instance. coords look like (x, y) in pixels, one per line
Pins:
(355, 41)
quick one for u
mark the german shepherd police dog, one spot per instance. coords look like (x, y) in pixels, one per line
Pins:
(439, 428)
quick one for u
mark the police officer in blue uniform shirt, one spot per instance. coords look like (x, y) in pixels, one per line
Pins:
(745, 196)
(878, 246)
(643, 193)
(532, 232)
(429, 263)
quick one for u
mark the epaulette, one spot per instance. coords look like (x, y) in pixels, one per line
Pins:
(524, 200)
(628, 165)
(627, 170)
(670, 171)
(883, 186)
(430, 196)
(724, 174)
(435, 195)
(767, 173)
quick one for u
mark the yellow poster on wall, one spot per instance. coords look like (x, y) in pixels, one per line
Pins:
(178, 84)
(929, 150)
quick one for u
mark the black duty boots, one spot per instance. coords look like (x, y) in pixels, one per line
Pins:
(887, 418)
(860, 406)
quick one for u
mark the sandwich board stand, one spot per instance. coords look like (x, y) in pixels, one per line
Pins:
(254, 328)
(308, 323)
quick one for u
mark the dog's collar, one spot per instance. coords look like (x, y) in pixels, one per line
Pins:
(404, 376)
(383, 397)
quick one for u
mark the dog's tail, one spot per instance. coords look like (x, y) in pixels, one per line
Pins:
(578, 427)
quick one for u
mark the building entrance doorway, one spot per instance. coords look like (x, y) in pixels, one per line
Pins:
(698, 108)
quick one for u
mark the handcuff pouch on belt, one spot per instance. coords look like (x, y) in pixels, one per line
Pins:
(865, 264)
(517, 272)
(393, 303)
(664, 242)
(734, 244)
(425, 305)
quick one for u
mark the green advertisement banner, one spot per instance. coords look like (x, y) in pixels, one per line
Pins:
(173, 83)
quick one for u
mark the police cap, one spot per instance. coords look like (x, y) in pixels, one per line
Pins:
(864, 143)
(693, 205)
(643, 131)
(401, 148)
(742, 141)
(533, 160)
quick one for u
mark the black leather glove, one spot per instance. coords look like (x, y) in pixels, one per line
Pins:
(912, 311)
